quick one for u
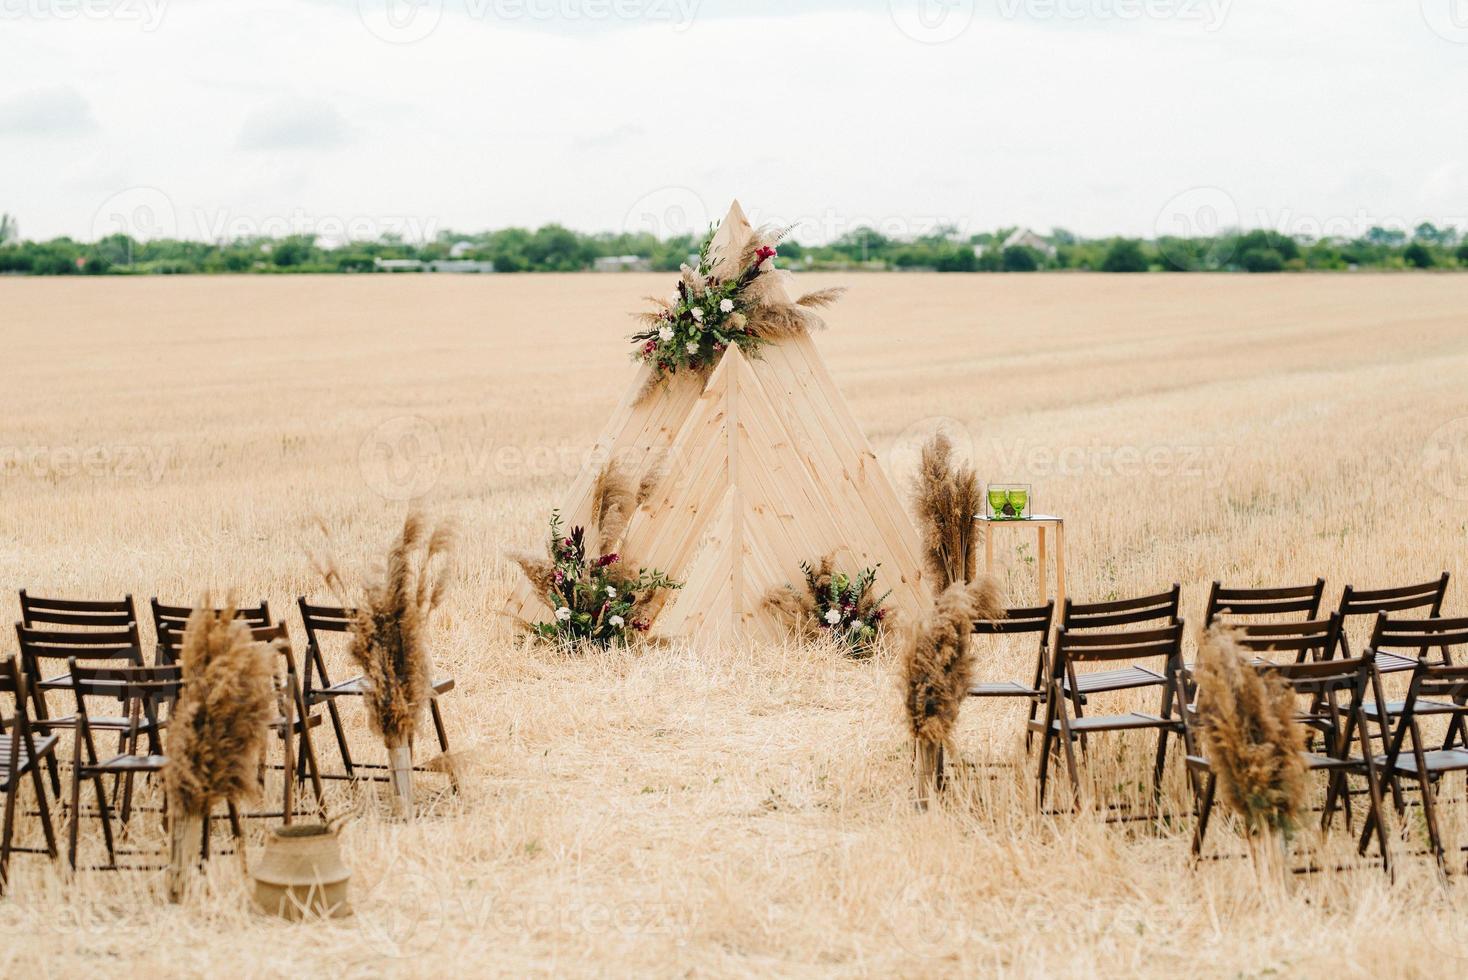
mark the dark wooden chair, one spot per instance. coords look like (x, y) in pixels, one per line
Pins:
(1345, 749)
(1239, 604)
(1160, 608)
(36, 611)
(21, 752)
(173, 619)
(1312, 639)
(1436, 689)
(1063, 723)
(1023, 620)
(1425, 599)
(319, 688)
(148, 694)
(41, 649)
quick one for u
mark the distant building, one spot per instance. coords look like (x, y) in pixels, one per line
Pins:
(461, 249)
(437, 265)
(622, 263)
(1026, 238)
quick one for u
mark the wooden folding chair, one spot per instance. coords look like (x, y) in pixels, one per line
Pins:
(1312, 639)
(1346, 748)
(171, 620)
(295, 722)
(36, 611)
(1020, 620)
(40, 648)
(1237, 605)
(1063, 723)
(1160, 608)
(319, 688)
(1425, 599)
(148, 694)
(1435, 689)
(21, 752)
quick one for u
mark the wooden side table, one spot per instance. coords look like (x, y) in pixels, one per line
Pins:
(1043, 524)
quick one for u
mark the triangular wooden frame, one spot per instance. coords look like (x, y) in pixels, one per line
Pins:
(762, 468)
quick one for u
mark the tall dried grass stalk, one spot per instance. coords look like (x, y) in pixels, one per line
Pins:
(1250, 737)
(613, 499)
(946, 501)
(390, 631)
(937, 667)
(218, 730)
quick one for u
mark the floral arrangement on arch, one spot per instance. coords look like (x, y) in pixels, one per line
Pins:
(595, 594)
(709, 312)
(834, 604)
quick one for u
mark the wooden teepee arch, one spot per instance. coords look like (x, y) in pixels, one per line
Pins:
(760, 469)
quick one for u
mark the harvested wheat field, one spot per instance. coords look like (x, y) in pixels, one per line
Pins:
(710, 811)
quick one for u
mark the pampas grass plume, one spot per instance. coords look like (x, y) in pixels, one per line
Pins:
(946, 501)
(937, 667)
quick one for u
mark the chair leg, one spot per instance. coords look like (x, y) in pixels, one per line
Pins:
(102, 808)
(1429, 811)
(9, 829)
(1205, 810)
(76, 815)
(341, 736)
(443, 745)
(45, 810)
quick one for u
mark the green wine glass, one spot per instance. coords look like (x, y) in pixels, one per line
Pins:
(1019, 499)
(997, 499)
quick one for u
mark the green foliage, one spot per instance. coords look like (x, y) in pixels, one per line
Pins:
(1021, 258)
(1125, 255)
(1261, 259)
(1418, 256)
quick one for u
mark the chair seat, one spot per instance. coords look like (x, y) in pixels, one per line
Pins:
(45, 745)
(1115, 680)
(103, 724)
(1110, 723)
(1316, 761)
(1394, 708)
(1003, 689)
(129, 763)
(357, 687)
(278, 724)
(1438, 760)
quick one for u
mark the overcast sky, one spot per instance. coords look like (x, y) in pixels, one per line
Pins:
(215, 118)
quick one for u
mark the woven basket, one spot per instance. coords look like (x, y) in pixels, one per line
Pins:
(302, 873)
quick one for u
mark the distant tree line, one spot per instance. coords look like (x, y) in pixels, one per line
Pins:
(553, 248)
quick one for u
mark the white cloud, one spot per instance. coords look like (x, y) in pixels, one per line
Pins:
(56, 111)
(289, 124)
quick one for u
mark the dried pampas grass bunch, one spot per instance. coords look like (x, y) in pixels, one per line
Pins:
(1250, 737)
(937, 668)
(390, 631)
(946, 500)
(218, 730)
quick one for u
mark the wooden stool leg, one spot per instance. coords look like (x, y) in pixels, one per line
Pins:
(988, 548)
(1043, 569)
(1060, 565)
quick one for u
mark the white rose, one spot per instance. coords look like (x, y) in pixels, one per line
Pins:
(833, 616)
(611, 592)
(856, 624)
(726, 305)
(693, 347)
(563, 614)
(665, 333)
(697, 312)
(617, 621)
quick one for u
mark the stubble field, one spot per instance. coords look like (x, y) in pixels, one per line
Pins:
(698, 811)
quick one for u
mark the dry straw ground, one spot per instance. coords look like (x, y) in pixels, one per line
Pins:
(709, 811)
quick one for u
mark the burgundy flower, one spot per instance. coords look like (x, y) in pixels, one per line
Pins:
(765, 252)
(650, 346)
(641, 625)
(559, 577)
(606, 560)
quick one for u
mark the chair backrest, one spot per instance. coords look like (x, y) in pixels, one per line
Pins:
(324, 619)
(178, 616)
(1315, 638)
(38, 646)
(1165, 641)
(1321, 682)
(94, 614)
(17, 724)
(1236, 603)
(1425, 596)
(1020, 619)
(1420, 635)
(157, 683)
(1122, 612)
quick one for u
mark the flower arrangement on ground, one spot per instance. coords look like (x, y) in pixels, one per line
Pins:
(835, 604)
(713, 309)
(596, 595)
